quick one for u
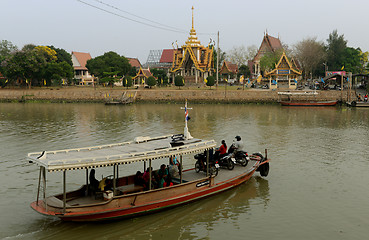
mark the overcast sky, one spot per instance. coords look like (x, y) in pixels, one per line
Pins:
(76, 26)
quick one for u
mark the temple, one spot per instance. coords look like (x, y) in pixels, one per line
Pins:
(269, 44)
(193, 61)
(285, 74)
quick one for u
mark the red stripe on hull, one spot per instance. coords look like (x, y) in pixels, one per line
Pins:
(151, 207)
(329, 103)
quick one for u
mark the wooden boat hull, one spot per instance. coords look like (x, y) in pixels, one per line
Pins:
(132, 205)
(306, 104)
(358, 104)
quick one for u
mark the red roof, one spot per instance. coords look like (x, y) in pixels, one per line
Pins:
(167, 56)
(82, 59)
(134, 62)
(275, 43)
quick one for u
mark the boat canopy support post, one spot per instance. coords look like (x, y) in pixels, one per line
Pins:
(87, 192)
(207, 163)
(44, 186)
(39, 185)
(150, 174)
(64, 191)
(114, 177)
(180, 168)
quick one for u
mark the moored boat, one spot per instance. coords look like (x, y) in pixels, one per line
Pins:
(309, 103)
(358, 104)
(125, 198)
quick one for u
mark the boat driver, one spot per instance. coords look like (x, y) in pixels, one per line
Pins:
(238, 144)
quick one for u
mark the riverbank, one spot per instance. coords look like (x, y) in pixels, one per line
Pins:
(167, 94)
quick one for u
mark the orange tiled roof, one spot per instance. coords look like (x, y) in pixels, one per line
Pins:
(134, 62)
(82, 59)
(167, 56)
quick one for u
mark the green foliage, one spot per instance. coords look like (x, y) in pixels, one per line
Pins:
(351, 60)
(62, 55)
(127, 82)
(244, 70)
(269, 60)
(210, 81)
(6, 49)
(336, 46)
(179, 81)
(58, 71)
(151, 81)
(109, 62)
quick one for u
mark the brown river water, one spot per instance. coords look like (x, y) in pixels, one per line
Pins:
(317, 188)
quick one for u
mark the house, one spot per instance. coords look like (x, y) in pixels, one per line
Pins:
(79, 60)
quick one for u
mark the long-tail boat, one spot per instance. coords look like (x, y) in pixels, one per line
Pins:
(126, 198)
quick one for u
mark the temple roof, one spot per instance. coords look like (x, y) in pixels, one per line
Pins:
(286, 66)
(134, 62)
(146, 73)
(229, 67)
(269, 44)
(167, 56)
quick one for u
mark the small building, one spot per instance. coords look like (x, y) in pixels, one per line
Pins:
(141, 77)
(135, 62)
(79, 60)
(284, 75)
(228, 70)
(192, 61)
(268, 45)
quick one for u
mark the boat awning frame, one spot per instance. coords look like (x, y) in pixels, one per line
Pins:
(116, 154)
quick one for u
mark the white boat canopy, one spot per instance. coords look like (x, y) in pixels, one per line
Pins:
(141, 149)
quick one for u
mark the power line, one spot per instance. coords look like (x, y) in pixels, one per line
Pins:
(111, 6)
(133, 20)
(162, 27)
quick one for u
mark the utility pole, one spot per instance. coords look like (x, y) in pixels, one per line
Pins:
(217, 61)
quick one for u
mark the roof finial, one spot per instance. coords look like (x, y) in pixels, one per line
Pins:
(192, 16)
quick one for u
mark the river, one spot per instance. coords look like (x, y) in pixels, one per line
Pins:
(317, 186)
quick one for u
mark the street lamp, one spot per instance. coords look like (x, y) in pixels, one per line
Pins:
(325, 68)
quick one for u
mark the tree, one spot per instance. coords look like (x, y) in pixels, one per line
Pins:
(351, 61)
(6, 49)
(151, 81)
(62, 55)
(269, 60)
(210, 81)
(109, 78)
(311, 54)
(244, 70)
(27, 65)
(56, 71)
(336, 46)
(364, 63)
(161, 76)
(240, 55)
(109, 62)
(127, 82)
(179, 81)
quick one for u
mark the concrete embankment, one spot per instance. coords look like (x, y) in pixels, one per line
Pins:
(87, 94)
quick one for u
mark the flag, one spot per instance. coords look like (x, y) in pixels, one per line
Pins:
(343, 67)
(274, 82)
(6, 80)
(248, 80)
(45, 82)
(206, 81)
(126, 82)
(323, 80)
(186, 114)
(295, 80)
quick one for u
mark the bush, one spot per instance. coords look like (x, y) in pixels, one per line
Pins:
(179, 81)
(151, 81)
(127, 82)
(210, 81)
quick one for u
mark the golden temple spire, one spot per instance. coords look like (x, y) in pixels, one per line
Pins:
(192, 16)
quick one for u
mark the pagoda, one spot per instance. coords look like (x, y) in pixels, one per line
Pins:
(193, 61)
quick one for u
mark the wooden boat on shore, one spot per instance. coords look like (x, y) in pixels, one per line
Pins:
(295, 99)
(126, 198)
(358, 104)
(309, 103)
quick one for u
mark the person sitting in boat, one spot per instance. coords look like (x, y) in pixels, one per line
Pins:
(221, 151)
(163, 174)
(359, 98)
(366, 98)
(139, 180)
(146, 177)
(174, 166)
(94, 183)
(237, 145)
(168, 182)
